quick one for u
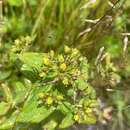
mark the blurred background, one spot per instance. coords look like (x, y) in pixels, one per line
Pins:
(95, 27)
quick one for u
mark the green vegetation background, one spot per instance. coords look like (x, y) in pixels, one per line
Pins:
(55, 23)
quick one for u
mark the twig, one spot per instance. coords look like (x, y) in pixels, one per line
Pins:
(94, 25)
(99, 55)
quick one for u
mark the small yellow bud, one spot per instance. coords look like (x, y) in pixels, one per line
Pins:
(75, 52)
(88, 110)
(63, 66)
(81, 59)
(75, 71)
(65, 81)
(41, 95)
(67, 49)
(76, 117)
(52, 53)
(28, 40)
(42, 74)
(17, 42)
(61, 58)
(49, 100)
(60, 97)
(46, 61)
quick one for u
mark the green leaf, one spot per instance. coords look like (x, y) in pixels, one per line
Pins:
(32, 64)
(32, 112)
(8, 123)
(81, 84)
(34, 115)
(70, 92)
(32, 60)
(90, 119)
(13, 57)
(52, 74)
(84, 68)
(20, 92)
(90, 91)
(29, 72)
(4, 107)
(50, 125)
(4, 74)
(47, 88)
(67, 121)
(7, 93)
(63, 108)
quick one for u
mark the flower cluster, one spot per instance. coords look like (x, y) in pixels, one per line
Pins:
(21, 44)
(55, 83)
(67, 72)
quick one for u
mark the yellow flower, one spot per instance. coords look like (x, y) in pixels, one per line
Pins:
(75, 71)
(81, 59)
(76, 117)
(17, 42)
(42, 74)
(52, 53)
(49, 100)
(65, 81)
(61, 58)
(75, 52)
(89, 110)
(90, 119)
(63, 66)
(67, 49)
(60, 97)
(28, 40)
(46, 61)
(41, 95)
